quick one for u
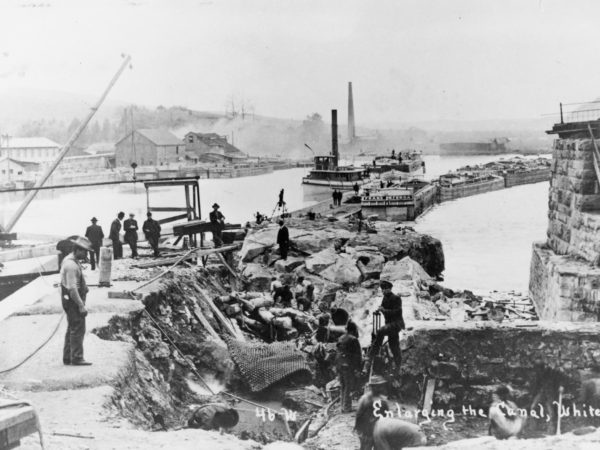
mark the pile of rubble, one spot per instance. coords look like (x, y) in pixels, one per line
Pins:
(515, 164)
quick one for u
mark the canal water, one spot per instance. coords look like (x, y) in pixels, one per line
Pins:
(487, 238)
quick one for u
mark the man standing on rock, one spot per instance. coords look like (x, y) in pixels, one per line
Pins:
(283, 239)
(151, 229)
(115, 228)
(371, 407)
(217, 221)
(131, 236)
(391, 307)
(348, 363)
(95, 234)
(73, 295)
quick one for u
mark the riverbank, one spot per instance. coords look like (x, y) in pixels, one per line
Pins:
(140, 382)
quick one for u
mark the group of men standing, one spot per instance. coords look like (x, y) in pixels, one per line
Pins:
(337, 197)
(95, 234)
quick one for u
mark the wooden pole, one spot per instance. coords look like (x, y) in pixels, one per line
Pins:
(31, 195)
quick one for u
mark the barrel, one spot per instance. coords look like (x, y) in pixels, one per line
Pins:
(105, 266)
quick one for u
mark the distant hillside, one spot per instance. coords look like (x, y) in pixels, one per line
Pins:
(56, 115)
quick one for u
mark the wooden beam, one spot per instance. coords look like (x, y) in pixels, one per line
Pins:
(169, 208)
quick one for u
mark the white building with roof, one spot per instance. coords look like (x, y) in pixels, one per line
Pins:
(29, 149)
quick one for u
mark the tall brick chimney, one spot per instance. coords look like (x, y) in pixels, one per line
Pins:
(334, 135)
(351, 128)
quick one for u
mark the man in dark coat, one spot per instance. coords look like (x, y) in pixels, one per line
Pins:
(391, 307)
(217, 221)
(356, 188)
(131, 236)
(283, 239)
(95, 234)
(151, 229)
(349, 364)
(115, 228)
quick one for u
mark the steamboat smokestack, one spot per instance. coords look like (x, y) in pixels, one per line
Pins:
(334, 135)
(351, 128)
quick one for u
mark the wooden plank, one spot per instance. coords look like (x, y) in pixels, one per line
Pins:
(219, 315)
(227, 266)
(172, 219)
(204, 321)
(125, 295)
(169, 208)
(428, 399)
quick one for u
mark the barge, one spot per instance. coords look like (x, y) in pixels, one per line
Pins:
(403, 202)
(408, 162)
(464, 184)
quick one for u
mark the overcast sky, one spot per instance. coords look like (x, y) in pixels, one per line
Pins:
(408, 60)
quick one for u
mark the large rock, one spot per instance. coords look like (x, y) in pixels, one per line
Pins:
(288, 265)
(257, 242)
(320, 261)
(395, 245)
(259, 278)
(343, 271)
(406, 269)
(372, 261)
(314, 241)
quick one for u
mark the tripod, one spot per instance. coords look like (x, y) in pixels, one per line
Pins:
(280, 207)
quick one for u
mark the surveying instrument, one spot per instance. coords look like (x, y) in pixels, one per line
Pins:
(280, 207)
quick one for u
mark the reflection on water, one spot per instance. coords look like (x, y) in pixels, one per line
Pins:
(487, 238)
(67, 213)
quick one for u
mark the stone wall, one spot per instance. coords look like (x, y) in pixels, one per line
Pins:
(469, 361)
(564, 282)
(574, 202)
(563, 287)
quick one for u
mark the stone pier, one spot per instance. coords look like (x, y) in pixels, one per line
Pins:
(564, 278)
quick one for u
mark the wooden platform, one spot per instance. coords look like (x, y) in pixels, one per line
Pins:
(16, 421)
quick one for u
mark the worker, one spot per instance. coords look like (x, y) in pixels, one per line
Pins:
(214, 416)
(283, 239)
(151, 229)
(391, 307)
(322, 334)
(334, 197)
(259, 218)
(394, 434)
(381, 185)
(95, 234)
(360, 218)
(303, 300)
(393, 154)
(371, 406)
(73, 295)
(505, 420)
(131, 237)
(348, 364)
(356, 188)
(284, 296)
(311, 215)
(115, 228)
(217, 221)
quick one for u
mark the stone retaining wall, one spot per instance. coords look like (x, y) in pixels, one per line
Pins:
(470, 360)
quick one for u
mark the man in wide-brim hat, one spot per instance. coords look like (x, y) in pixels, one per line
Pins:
(371, 406)
(73, 295)
(217, 221)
